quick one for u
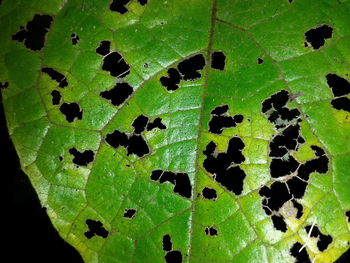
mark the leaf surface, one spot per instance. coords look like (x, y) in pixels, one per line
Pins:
(184, 131)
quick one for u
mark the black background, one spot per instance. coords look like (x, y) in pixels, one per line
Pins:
(26, 231)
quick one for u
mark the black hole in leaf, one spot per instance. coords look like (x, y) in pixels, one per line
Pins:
(118, 94)
(260, 61)
(219, 121)
(222, 165)
(140, 124)
(135, 144)
(281, 167)
(95, 229)
(342, 103)
(129, 213)
(55, 75)
(299, 208)
(173, 256)
(339, 85)
(181, 181)
(218, 60)
(4, 85)
(156, 123)
(104, 48)
(171, 82)
(115, 65)
(167, 245)
(190, 67)
(71, 111)
(56, 97)
(60, 158)
(34, 33)
(323, 242)
(211, 231)
(209, 193)
(220, 110)
(145, 65)
(279, 223)
(317, 36)
(75, 38)
(347, 213)
(142, 2)
(119, 6)
(276, 101)
(301, 256)
(82, 158)
(276, 195)
(318, 150)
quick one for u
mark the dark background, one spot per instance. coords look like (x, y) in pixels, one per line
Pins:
(26, 232)
(29, 234)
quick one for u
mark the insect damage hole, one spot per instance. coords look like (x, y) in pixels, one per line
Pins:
(211, 231)
(56, 97)
(167, 245)
(181, 181)
(75, 38)
(55, 75)
(129, 213)
(221, 120)
(209, 193)
(118, 94)
(301, 255)
(33, 34)
(218, 60)
(95, 229)
(119, 6)
(317, 36)
(71, 111)
(82, 158)
(260, 61)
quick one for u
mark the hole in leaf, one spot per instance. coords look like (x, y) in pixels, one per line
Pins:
(211, 231)
(347, 213)
(142, 2)
(317, 36)
(82, 158)
(260, 61)
(118, 94)
(209, 193)
(180, 180)
(279, 223)
(167, 245)
(156, 123)
(119, 6)
(140, 124)
(134, 144)
(33, 34)
(338, 85)
(104, 48)
(301, 256)
(115, 65)
(190, 67)
(129, 213)
(220, 120)
(323, 240)
(56, 97)
(55, 75)
(342, 103)
(218, 60)
(75, 38)
(71, 111)
(171, 82)
(299, 208)
(95, 229)
(224, 165)
(173, 256)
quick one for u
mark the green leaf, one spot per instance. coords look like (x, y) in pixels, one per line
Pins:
(193, 131)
